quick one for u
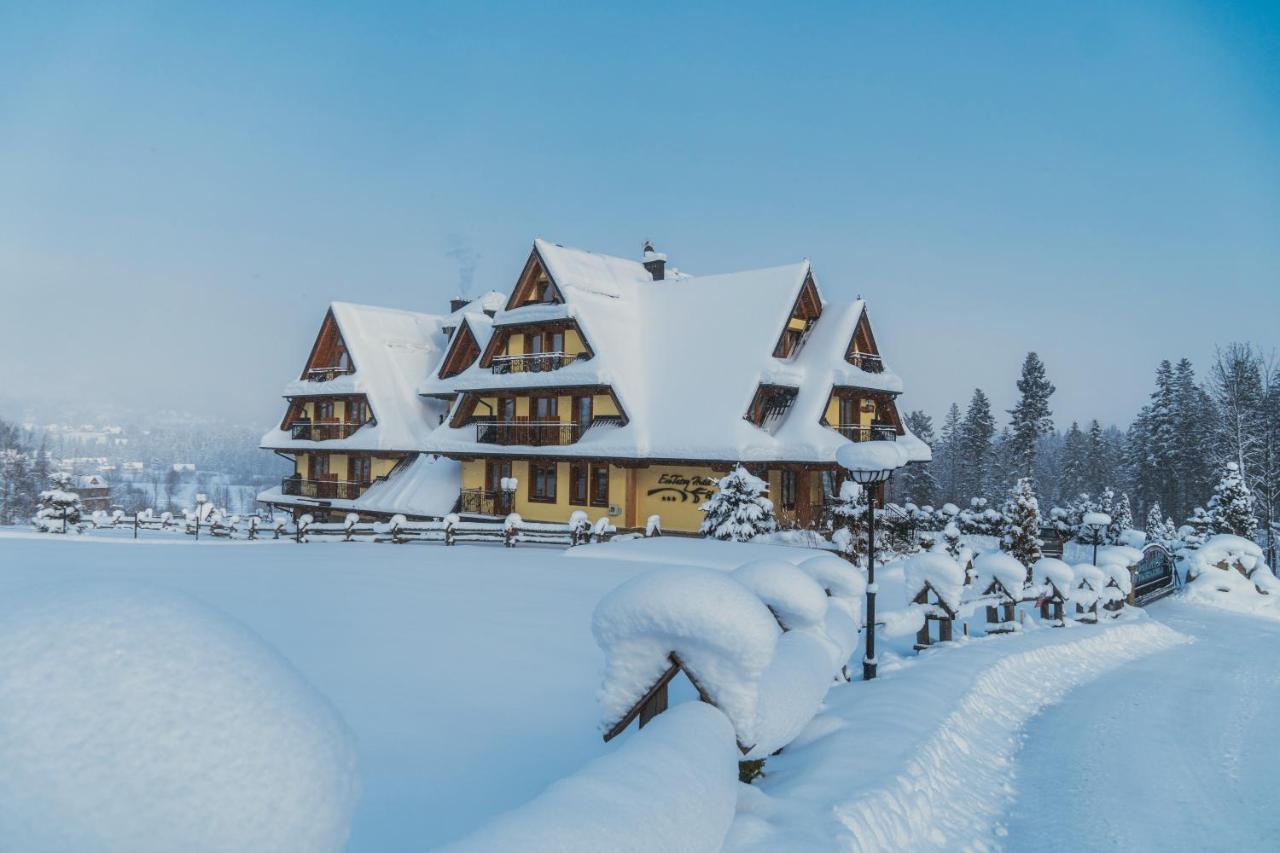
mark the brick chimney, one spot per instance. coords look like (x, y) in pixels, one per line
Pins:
(457, 303)
(654, 262)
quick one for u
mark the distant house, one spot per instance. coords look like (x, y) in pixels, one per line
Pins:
(94, 491)
(184, 467)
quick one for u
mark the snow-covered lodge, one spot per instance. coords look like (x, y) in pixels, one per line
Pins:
(614, 386)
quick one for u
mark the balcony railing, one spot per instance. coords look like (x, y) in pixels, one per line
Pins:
(865, 361)
(325, 374)
(331, 489)
(483, 502)
(533, 362)
(306, 431)
(532, 433)
(858, 432)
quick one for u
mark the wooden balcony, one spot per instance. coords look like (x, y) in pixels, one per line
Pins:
(527, 432)
(323, 431)
(867, 362)
(533, 362)
(858, 432)
(326, 374)
(322, 489)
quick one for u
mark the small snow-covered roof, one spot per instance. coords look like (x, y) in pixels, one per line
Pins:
(685, 357)
(391, 351)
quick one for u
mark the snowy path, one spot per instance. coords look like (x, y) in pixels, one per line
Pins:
(1176, 751)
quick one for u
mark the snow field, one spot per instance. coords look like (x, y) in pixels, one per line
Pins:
(135, 719)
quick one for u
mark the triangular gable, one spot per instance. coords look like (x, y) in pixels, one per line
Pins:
(805, 311)
(464, 349)
(329, 353)
(862, 343)
(535, 285)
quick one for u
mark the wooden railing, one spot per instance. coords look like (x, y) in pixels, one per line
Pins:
(858, 432)
(867, 362)
(533, 362)
(307, 431)
(526, 432)
(331, 489)
(324, 374)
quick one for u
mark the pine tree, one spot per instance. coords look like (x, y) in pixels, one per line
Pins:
(948, 459)
(1158, 528)
(917, 482)
(1030, 416)
(974, 445)
(1020, 533)
(59, 506)
(850, 514)
(1095, 464)
(1121, 519)
(1194, 415)
(739, 511)
(1075, 449)
(1231, 508)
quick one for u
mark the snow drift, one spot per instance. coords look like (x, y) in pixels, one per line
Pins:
(135, 719)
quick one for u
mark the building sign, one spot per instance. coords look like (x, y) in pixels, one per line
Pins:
(682, 488)
(1153, 575)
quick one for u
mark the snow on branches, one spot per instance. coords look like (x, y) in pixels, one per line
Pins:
(739, 511)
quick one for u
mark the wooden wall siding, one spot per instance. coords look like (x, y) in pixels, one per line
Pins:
(807, 309)
(862, 342)
(328, 348)
(462, 352)
(534, 270)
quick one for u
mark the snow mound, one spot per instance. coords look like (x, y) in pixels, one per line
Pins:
(999, 566)
(1050, 570)
(722, 633)
(840, 578)
(673, 786)
(135, 719)
(1225, 551)
(1229, 572)
(871, 455)
(791, 690)
(797, 600)
(939, 571)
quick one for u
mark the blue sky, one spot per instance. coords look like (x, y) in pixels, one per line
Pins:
(183, 188)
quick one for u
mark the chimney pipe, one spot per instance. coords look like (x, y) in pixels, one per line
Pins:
(654, 262)
(457, 303)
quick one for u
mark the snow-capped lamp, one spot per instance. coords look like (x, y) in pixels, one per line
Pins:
(1096, 522)
(654, 262)
(870, 462)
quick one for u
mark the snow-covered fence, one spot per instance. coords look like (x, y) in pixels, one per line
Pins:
(1000, 577)
(935, 583)
(1053, 579)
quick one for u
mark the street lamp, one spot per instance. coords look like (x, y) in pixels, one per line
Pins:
(1097, 522)
(869, 463)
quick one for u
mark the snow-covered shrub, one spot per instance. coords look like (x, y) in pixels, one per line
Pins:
(653, 527)
(134, 718)
(1020, 531)
(1121, 520)
(723, 634)
(979, 519)
(849, 516)
(740, 510)
(579, 527)
(674, 786)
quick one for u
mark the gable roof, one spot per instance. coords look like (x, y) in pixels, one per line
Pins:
(391, 351)
(685, 357)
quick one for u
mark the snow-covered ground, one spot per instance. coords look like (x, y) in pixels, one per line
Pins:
(469, 678)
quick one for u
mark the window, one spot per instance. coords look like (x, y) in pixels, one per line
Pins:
(546, 408)
(542, 482)
(324, 410)
(599, 485)
(534, 340)
(319, 466)
(507, 409)
(361, 470)
(788, 489)
(849, 412)
(578, 484)
(555, 341)
(582, 412)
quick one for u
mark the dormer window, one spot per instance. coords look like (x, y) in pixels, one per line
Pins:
(862, 352)
(804, 314)
(535, 286)
(770, 405)
(329, 356)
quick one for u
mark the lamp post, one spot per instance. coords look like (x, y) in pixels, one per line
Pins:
(870, 463)
(1097, 522)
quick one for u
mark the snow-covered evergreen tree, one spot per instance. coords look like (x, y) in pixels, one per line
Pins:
(59, 507)
(1231, 508)
(850, 518)
(917, 483)
(1121, 519)
(1159, 528)
(1020, 533)
(947, 457)
(740, 510)
(1075, 449)
(974, 445)
(1030, 416)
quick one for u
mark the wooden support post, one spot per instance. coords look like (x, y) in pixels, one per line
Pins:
(944, 630)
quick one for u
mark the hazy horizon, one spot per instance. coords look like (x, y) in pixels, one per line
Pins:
(183, 191)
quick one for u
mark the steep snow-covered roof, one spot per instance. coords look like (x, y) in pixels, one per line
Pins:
(685, 357)
(391, 351)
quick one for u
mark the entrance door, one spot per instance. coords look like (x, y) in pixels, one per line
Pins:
(494, 472)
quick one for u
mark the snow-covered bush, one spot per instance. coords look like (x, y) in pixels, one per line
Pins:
(740, 510)
(1020, 531)
(979, 519)
(849, 515)
(133, 718)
